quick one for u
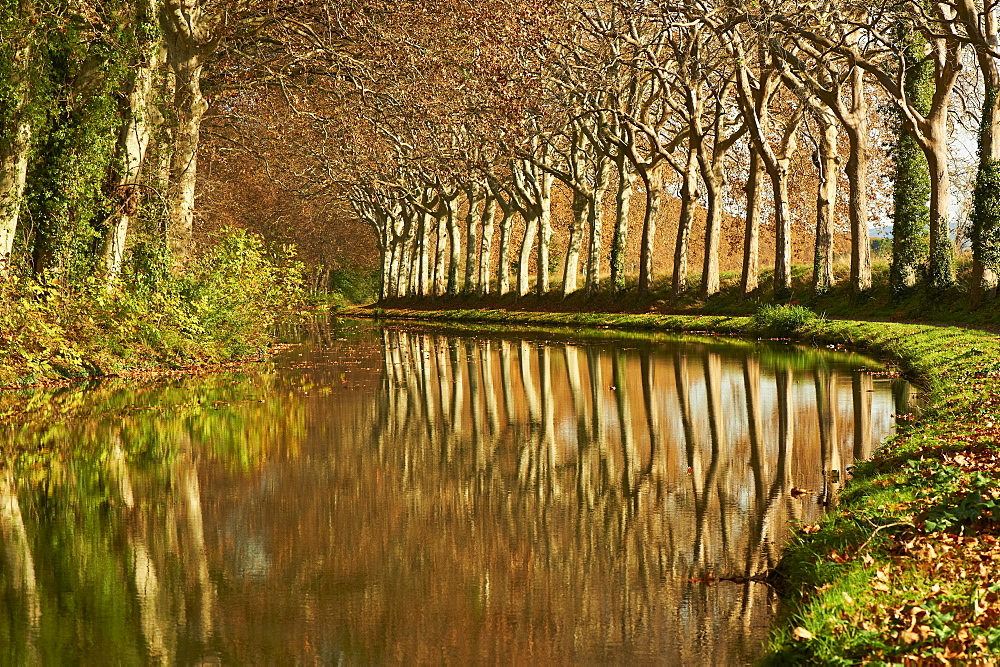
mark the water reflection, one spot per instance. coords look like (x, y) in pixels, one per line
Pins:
(397, 494)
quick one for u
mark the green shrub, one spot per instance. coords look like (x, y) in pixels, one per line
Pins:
(355, 286)
(235, 289)
(782, 320)
(223, 307)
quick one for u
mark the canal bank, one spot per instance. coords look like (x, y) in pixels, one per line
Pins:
(907, 566)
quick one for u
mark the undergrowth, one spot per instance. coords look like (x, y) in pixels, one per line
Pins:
(782, 320)
(221, 308)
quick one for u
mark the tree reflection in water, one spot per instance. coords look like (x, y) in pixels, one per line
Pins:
(411, 493)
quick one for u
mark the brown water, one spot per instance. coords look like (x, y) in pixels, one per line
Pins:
(414, 494)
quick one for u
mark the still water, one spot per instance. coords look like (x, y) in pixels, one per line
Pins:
(404, 493)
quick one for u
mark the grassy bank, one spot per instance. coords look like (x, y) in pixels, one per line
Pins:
(221, 308)
(918, 304)
(908, 565)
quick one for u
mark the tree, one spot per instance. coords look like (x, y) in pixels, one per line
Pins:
(191, 33)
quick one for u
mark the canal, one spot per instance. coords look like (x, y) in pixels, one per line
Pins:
(398, 492)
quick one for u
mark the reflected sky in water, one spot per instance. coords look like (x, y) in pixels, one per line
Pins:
(407, 493)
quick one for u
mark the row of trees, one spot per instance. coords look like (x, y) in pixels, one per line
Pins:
(451, 127)
(611, 98)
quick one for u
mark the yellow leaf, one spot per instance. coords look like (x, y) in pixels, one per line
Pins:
(800, 634)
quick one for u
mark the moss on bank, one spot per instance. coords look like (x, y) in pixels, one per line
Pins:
(908, 566)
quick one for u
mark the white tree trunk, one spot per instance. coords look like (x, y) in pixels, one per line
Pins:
(544, 231)
(826, 200)
(185, 28)
(132, 145)
(473, 218)
(596, 219)
(581, 206)
(485, 258)
(14, 150)
(751, 238)
(13, 176)
(653, 180)
(689, 197)
(503, 263)
(623, 207)
(530, 231)
(455, 256)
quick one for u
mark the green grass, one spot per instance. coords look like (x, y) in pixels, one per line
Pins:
(908, 565)
(920, 303)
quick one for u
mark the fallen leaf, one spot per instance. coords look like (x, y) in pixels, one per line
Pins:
(800, 634)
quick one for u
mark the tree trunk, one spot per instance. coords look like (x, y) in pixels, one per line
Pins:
(912, 181)
(444, 213)
(783, 233)
(163, 140)
(619, 241)
(857, 180)
(133, 140)
(715, 186)
(942, 273)
(503, 263)
(395, 260)
(416, 253)
(183, 28)
(15, 146)
(405, 264)
(13, 176)
(751, 238)
(530, 232)
(544, 232)
(783, 213)
(986, 196)
(910, 213)
(485, 259)
(385, 277)
(455, 256)
(472, 219)
(426, 222)
(413, 264)
(596, 219)
(826, 201)
(571, 268)
(653, 180)
(689, 197)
